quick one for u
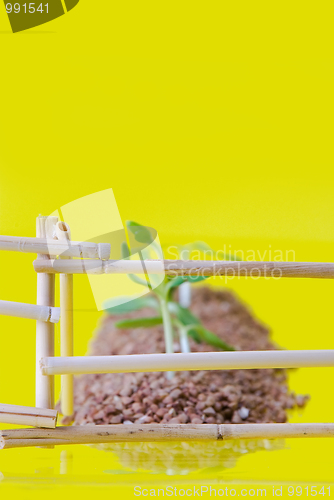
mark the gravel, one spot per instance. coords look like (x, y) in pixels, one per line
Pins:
(230, 396)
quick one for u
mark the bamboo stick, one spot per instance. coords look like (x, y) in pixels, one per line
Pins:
(190, 268)
(45, 331)
(45, 246)
(29, 311)
(272, 431)
(90, 434)
(25, 415)
(63, 233)
(234, 360)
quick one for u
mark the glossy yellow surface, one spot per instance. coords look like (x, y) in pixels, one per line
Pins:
(210, 121)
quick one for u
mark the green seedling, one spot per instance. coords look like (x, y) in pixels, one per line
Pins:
(169, 313)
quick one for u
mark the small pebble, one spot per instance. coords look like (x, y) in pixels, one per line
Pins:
(116, 420)
(243, 412)
(209, 411)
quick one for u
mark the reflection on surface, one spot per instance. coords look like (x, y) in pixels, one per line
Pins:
(183, 458)
(66, 462)
(35, 471)
(129, 462)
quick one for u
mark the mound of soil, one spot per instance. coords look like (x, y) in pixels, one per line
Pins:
(228, 396)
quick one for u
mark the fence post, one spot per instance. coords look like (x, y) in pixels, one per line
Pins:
(45, 227)
(63, 233)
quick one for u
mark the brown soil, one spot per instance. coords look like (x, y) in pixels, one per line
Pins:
(235, 396)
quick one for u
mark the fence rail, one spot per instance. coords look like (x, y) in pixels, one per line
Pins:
(29, 311)
(189, 268)
(51, 246)
(234, 360)
(25, 415)
(90, 434)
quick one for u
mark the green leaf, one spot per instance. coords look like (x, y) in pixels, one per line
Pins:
(137, 280)
(211, 338)
(141, 233)
(179, 280)
(125, 250)
(139, 322)
(174, 283)
(130, 305)
(196, 279)
(186, 318)
(125, 255)
(183, 314)
(199, 246)
(195, 329)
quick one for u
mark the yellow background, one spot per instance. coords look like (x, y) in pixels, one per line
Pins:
(210, 120)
